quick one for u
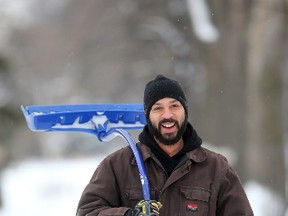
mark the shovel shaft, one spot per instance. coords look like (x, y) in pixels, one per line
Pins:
(137, 155)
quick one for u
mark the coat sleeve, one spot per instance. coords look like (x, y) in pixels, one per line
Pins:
(232, 199)
(101, 195)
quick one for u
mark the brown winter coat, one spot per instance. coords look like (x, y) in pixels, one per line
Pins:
(203, 184)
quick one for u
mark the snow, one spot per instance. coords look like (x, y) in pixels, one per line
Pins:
(53, 187)
(99, 121)
(45, 187)
(203, 26)
(265, 202)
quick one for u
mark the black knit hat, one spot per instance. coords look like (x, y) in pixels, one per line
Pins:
(162, 87)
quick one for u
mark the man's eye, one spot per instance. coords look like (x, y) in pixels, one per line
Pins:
(175, 105)
(157, 108)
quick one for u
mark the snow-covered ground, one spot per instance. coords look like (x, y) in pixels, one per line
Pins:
(53, 187)
(264, 201)
(45, 187)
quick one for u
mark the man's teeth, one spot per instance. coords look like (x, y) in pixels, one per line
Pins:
(168, 125)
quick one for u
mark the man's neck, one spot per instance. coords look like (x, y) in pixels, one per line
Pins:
(171, 150)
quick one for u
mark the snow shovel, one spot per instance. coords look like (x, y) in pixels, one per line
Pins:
(106, 121)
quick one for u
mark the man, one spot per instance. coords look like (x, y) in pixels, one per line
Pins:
(185, 178)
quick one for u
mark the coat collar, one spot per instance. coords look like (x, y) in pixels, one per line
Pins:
(198, 155)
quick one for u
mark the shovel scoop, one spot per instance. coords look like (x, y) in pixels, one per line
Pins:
(106, 121)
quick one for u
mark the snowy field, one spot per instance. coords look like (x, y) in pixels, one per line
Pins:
(43, 187)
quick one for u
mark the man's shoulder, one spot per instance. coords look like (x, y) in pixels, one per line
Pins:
(202, 154)
(122, 152)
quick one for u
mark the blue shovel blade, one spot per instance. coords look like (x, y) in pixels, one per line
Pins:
(91, 118)
(98, 119)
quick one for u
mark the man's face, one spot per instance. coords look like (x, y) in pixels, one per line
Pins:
(167, 121)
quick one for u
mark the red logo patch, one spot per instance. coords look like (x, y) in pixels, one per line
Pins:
(192, 207)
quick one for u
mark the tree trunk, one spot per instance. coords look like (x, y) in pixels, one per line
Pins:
(264, 140)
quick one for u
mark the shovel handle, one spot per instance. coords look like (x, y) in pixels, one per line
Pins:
(140, 164)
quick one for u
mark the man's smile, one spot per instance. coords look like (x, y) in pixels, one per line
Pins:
(168, 125)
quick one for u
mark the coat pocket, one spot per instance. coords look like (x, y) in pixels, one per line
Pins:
(194, 201)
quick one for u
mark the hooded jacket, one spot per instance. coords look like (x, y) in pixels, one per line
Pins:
(202, 184)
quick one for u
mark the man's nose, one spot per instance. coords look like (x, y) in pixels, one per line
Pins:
(167, 114)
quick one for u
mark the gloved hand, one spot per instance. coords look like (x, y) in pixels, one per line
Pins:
(145, 208)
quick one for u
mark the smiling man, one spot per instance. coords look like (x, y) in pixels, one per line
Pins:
(168, 115)
(184, 178)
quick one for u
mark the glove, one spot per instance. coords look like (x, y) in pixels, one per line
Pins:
(145, 208)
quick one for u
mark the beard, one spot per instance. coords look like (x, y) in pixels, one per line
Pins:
(169, 139)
